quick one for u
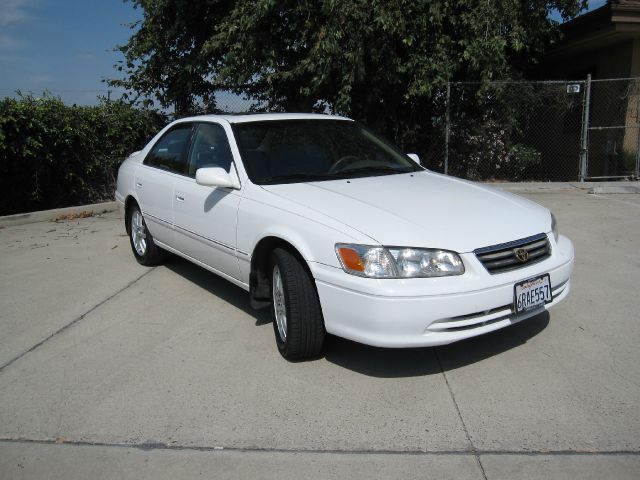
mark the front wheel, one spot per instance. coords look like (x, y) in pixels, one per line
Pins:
(146, 252)
(295, 308)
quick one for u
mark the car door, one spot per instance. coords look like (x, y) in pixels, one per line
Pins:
(154, 180)
(204, 216)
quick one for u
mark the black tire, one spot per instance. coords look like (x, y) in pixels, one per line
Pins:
(150, 254)
(304, 328)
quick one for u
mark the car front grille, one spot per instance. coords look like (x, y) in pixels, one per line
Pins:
(513, 255)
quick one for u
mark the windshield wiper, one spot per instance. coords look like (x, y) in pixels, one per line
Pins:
(310, 177)
(298, 176)
(372, 169)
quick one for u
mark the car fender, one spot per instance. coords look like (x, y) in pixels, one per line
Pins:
(311, 237)
(295, 239)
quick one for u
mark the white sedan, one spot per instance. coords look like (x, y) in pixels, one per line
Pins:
(339, 232)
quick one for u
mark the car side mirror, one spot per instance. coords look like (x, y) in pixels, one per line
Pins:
(216, 177)
(414, 157)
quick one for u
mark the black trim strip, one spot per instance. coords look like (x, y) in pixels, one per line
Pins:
(216, 242)
(147, 214)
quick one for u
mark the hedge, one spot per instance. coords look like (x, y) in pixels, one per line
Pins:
(54, 155)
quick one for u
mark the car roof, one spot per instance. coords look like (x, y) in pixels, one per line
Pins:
(260, 117)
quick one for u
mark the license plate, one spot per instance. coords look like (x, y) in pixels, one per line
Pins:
(532, 293)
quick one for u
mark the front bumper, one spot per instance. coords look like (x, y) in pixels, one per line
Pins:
(435, 311)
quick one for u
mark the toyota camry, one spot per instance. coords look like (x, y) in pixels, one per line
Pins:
(337, 231)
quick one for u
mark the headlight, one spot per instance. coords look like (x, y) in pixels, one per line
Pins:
(397, 262)
(554, 227)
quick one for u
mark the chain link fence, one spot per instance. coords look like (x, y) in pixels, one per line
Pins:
(612, 129)
(518, 131)
(528, 131)
(543, 131)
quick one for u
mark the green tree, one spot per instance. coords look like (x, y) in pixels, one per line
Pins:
(384, 62)
(165, 60)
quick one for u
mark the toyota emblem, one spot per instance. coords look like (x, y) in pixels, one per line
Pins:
(521, 254)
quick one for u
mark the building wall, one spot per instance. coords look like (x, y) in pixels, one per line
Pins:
(612, 61)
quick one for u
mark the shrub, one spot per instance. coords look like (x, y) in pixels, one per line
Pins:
(487, 152)
(53, 155)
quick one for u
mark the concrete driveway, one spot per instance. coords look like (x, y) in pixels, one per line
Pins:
(113, 370)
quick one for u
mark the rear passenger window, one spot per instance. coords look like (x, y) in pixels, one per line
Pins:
(169, 153)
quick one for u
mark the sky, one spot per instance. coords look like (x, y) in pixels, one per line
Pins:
(66, 46)
(592, 5)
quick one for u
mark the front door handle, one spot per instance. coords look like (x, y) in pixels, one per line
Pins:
(180, 198)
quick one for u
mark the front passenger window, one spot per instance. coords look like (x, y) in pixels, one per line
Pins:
(169, 152)
(210, 148)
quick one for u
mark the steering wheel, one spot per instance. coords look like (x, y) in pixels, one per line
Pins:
(342, 162)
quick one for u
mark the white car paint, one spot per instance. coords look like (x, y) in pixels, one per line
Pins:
(219, 228)
(405, 209)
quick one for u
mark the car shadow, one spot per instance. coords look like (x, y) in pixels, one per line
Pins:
(411, 362)
(374, 361)
(217, 286)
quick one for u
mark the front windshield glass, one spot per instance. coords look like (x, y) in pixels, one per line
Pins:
(287, 151)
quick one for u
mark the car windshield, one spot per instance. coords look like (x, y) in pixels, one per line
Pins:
(289, 151)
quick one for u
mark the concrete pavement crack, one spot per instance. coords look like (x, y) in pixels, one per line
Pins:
(72, 322)
(201, 448)
(632, 204)
(464, 425)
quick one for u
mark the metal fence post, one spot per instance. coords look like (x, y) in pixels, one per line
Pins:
(584, 148)
(636, 172)
(446, 130)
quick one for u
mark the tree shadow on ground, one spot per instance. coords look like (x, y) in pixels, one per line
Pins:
(374, 361)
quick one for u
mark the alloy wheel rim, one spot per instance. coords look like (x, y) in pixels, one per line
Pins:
(138, 233)
(279, 304)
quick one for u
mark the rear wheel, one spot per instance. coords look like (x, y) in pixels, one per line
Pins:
(295, 308)
(146, 252)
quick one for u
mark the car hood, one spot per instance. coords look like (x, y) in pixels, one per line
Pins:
(422, 209)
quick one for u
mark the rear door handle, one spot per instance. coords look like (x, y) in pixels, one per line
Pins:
(180, 198)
